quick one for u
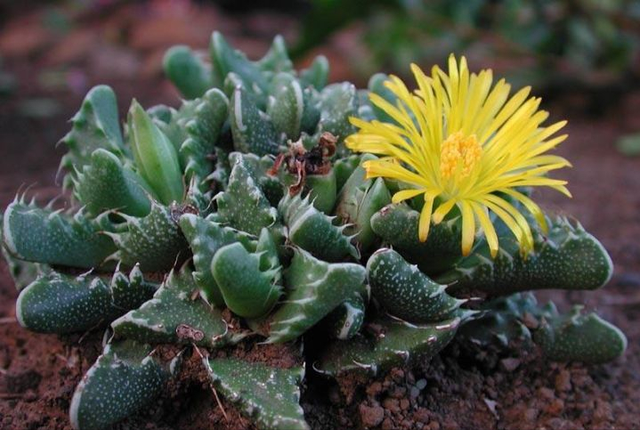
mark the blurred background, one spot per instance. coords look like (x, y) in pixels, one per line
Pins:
(561, 47)
(581, 56)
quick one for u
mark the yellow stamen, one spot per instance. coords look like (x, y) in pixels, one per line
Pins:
(459, 151)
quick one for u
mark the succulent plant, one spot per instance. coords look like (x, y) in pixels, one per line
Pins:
(243, 216)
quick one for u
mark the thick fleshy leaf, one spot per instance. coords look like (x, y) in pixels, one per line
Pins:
(579, 337)
(406, 292)
(517, 321)
(243, 205)
(187, 71)
(95, 126)
(247, 290)
(397, 225)
(314, 231)
(268, 396)
(337, 104)
(205, 238)
(203, 127)
(567, 258)
(52, 237)
(317, 74)
(156, 158)
(258, 168)
(175, 315)
(347, 319)
(59, 303)
(22, 272)
(376, 86)
(252, 130)
(394, 343)
(358, 201)
(124, 379)
(155, 241)
(227, 60)
(315, 288)
(106, 184)
(277, 59)
(286, 105)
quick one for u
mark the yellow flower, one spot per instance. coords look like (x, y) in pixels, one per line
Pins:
(461, 140)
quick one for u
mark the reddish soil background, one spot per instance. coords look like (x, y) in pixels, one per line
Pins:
(38, 373)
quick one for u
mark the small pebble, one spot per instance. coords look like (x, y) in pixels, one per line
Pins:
(414, 393)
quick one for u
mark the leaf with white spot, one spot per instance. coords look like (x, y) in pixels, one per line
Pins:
(393, 343)
(205, 238)
(124, 379)
(315, 289)
(175, 315)
(269, 396)
(243, 205)
(155, 241)
(59, 303)
(568, 258)
(52, 237)
(314, 231)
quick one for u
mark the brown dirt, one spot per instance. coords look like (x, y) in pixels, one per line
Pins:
(38, 373)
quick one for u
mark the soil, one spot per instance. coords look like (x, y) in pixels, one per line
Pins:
(38, 373)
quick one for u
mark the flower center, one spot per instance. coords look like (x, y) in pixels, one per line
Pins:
(458, 155)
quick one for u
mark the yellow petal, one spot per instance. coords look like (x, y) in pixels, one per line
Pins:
(531, 206)
(425, 217)
(443, 210)
(468, 227)
(487, 227)
(403, 195)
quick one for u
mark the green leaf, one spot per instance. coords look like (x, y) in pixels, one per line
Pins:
(227, 60)
(175, 315)
(51, 237)
(315, 288)
(276, 60)
(95, 126)
(517, 321)
(203, 127)
(395, 343)
(406, 292)
(187, 71)
(397, 225)
(346, 320)
(258, 168)
(314, 231)
(156, 158)
(358, 201)
(268, 396)
(252, 130)
(286, 105)
(311, 112)
(22, 272)
(337, 104)
(579, 337)
(205, 238)
(344, 168)
(155, 241)
(247, 290)
(59, 303)
(567, 258)
(376, 86)
(124, 379)
(243, 205)
(106, 184)
(317, 74)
